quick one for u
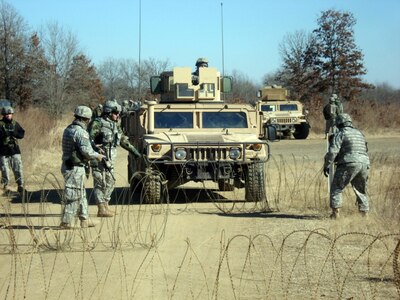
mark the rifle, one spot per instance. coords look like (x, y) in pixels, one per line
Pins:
(107, 166)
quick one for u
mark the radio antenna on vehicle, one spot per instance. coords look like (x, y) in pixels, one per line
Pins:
(222, 43)
(140, 50)
(222, 38)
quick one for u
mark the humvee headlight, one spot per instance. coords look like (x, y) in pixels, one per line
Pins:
(180, 154)
(234, 153)
(273, 120)
(257, 147)
(156, 147)
(294, 120)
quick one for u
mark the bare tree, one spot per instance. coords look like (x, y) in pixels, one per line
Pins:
(273, 78)
(12, 53)
(60, 46)
(111, 78)
(243, 90)
(297, 72)
(121, 77)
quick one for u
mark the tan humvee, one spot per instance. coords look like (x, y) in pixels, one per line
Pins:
(288, 116)
(191, 135)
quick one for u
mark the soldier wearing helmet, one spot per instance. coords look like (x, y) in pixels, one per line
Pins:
(330, 112)
(10, 153)
(202, 62)
(106, 133)
(348, 150)
(77, 151)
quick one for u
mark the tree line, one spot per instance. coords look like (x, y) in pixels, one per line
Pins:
(48, 69)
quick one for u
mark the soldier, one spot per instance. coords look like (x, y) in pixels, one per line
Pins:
(77, 151)
(348, 150)
(10, 153)
(202, 62)
(106, 134)
(331, 111)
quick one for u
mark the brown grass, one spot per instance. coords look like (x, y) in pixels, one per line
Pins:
(370, 117)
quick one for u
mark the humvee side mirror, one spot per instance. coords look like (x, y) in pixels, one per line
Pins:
(270, 132)
(155, 85)
(258, 94)
(226, 83)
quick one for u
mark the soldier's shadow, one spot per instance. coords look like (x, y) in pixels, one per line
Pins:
(55, 196)
(120, 196)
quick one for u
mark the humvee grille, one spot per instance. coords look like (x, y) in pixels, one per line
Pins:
(208, 154)
(284, 120)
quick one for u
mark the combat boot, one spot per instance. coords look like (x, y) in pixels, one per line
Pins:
(335, 213)
(85, 223)
(364, 214)
(109, 210)
(103, 212)
(64, 225)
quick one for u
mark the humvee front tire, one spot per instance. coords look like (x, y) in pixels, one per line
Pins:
(255, 182)
(301, 131)
(151, 193)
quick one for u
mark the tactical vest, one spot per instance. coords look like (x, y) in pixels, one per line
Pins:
(71, 154)
(354, 148)
(109, 134)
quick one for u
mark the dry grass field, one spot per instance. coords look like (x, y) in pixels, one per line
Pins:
(202, 243)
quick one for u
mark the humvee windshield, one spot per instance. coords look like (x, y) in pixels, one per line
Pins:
(224, 120)
(268, 107)
(214, 119)
(288, 107)
(173, 119)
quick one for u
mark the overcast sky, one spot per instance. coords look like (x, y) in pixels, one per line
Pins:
(183, 30)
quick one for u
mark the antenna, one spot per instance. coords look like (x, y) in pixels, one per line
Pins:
(222, 38)
(140, 52)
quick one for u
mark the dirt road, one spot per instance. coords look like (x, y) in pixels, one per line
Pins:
(200, 248)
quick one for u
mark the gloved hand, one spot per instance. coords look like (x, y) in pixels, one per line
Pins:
(326, 171)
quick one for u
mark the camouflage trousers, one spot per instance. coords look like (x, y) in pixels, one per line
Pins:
(357, 175)
(103, 184)
(15, 162)
(75, 201)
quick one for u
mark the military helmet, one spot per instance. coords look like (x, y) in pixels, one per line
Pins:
(7, 110)
(202, 62)
(83, 112)
(343, 119)
(111, 106)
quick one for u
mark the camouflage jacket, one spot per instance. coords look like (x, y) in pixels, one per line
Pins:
(10, 132)
(107, 135)
(331, 110)
(347, 146)
(76, 147)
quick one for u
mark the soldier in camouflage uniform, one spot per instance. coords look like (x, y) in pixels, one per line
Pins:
(77, 152)
(330, 112)
(348, 150)
(106, 134)
(202, 62)
(10, 153)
